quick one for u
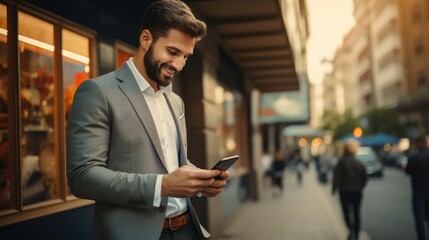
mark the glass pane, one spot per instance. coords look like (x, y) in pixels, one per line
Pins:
(39, 164)
(76, 49)
(6, 179)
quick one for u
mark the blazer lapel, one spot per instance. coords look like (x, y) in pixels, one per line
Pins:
(131, 89)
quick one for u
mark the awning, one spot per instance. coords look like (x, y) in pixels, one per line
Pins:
(254, 35)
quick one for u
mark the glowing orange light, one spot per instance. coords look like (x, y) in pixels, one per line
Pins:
(302, 142)
(357, 132)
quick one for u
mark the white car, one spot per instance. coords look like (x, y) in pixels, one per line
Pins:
(369, 158)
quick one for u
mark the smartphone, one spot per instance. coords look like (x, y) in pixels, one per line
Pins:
(225, 163)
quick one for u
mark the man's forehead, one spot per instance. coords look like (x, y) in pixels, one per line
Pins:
(178, 40)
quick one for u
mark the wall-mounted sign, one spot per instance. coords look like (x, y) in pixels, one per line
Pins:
(284, 107)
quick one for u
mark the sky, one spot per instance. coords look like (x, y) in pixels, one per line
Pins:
(329, 22)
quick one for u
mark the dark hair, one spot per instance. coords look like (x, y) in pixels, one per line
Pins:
(161, 16)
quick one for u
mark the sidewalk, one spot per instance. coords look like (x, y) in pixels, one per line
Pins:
(306, 212)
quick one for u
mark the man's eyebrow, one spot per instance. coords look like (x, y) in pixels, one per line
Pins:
(178, 50)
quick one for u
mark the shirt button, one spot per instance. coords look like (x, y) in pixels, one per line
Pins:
(161, 208)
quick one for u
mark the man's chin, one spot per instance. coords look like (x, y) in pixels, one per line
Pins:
(166, 81)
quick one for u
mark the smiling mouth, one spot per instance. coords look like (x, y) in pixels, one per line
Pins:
(169, 70)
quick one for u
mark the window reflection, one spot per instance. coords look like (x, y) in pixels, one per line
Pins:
(75, 64)
(76, 49)
(6, 179)
(39, 166)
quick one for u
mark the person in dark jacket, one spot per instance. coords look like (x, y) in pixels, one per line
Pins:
(349, 179)
(418, 168)
(278, 167)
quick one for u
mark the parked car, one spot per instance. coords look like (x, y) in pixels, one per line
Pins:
(395, 159)
(401, 161)
(374, 167)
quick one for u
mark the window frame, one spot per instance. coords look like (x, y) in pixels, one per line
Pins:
(18, 212)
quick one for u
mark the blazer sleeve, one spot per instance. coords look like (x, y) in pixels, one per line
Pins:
(87, 152)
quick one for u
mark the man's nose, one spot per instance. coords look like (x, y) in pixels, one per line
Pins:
(179, 63)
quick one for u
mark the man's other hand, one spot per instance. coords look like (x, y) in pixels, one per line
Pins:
(188, 181)
(217, 186)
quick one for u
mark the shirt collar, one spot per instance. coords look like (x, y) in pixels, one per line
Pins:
(142, 82)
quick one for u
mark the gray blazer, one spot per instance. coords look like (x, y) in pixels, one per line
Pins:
(114, 155)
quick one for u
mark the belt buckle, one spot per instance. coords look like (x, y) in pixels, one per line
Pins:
(169, 224)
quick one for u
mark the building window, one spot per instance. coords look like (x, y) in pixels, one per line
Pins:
(388, 59)
(422, 83)
(416, 14)
(365, 77)
(38, 129)
(387, 30)
(50, 63)
(418, 47)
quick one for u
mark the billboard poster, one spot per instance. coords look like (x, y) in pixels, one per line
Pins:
(285, 107)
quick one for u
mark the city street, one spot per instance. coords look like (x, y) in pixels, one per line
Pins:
(310, 211)
(386, 209)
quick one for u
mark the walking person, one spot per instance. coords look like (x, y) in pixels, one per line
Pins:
(298, 164)
(349, 179)
(418, 168)
(267, 163)
(277, 173)
(126, 138)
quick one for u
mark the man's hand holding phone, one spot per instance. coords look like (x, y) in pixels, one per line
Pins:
(220, 180)
(224, 164)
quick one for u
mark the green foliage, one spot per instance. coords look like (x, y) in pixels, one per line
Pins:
(379, 120)
(339, 124)
(384, 120)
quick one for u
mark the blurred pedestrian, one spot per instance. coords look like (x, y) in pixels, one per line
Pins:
(278, 167)
(298, 165)
(267, 162)
(349, 179)
(418, 168)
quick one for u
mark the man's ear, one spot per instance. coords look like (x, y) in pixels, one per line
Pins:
(145, 39)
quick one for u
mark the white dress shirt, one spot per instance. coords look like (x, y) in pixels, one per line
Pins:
(168, 135)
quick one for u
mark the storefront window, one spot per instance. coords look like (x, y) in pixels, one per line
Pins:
(39, 165)
(76, 67)
(6, 179)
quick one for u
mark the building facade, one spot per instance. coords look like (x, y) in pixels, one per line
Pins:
(389, 52)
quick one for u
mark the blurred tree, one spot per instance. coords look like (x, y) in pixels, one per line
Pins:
(384, 120)
(339, 124)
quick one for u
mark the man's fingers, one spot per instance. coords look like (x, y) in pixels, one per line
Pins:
(201, 173)
(210, 191)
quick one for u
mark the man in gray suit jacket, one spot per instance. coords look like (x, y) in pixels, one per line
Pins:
(126, 138)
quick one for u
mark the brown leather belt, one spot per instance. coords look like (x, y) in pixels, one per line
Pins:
(177, 222)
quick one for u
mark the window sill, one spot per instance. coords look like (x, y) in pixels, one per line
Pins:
(12, 216)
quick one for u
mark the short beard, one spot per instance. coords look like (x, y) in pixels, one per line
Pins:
(152, 69)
